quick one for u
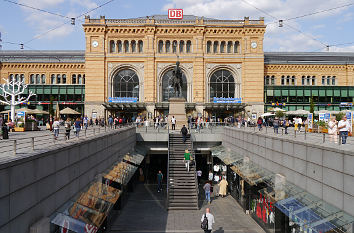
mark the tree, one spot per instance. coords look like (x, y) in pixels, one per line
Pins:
(312, 105)
(11, 93)
(279, 114)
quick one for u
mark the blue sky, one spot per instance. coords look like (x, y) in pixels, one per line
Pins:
(22, 25)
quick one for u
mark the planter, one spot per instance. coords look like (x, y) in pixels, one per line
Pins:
(31, 126)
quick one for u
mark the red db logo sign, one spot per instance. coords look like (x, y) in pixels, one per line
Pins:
(175, 13)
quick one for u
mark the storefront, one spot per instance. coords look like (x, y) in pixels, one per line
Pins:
(275, 204)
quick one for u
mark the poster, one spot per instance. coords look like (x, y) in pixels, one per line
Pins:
(94, 115)
(349, 116)
(327, 117)
(321, 116)
(254, 116)
(310, 120)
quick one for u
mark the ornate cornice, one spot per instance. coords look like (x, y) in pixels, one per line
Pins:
(300, 68)
(42, 66)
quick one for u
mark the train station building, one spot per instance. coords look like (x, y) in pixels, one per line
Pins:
(127, 64)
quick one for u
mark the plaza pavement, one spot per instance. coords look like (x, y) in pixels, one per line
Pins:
(145, 212)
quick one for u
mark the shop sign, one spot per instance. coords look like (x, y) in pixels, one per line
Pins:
(321, 116)
(21, 114)
(122, 99)
(175, 13)
(327, 117)
(227, 100)
(310, 120)
(345, 104)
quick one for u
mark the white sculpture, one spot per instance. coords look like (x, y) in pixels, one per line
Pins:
(14, 89)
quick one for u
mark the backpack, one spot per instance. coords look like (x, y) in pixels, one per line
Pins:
(204, 224)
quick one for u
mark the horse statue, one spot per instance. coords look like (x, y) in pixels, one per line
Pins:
(177, 80)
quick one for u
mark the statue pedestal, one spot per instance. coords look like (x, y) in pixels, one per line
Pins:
(177, 108)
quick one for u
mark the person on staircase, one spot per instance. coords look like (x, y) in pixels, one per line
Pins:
(223, 186)
(184, 132)
(187, 158)
(173, 121)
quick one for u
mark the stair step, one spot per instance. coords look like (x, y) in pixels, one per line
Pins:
(183, 208)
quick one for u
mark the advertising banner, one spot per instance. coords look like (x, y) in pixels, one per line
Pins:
(226, 100)
(321, 116)
(122, 99)
(21, 114)
(327, 117)
(310, 120)
(349, 116)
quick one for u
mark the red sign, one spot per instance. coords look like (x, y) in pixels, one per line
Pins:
(175, 13)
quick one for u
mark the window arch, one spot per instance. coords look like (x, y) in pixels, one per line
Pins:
(112, 46)
(126, 84)
(215, 47)
(64, 78)
(38, 79)
(160, 46)
(222, 84)
(126, 46)
(208, 47)
(229, 47)
(22, 77)
(189, 46)
(181, 46)
(237, 47)
(79, 79)
(167, 88)
(133, 45)
(167, 46)
(43, 78)
(119, 46)
(17, 77)
(52, 79)
(11, 77)
(32, 81)
(73, 79)
(222, 47)
(174, 46)
(140, 46)
(58, 78)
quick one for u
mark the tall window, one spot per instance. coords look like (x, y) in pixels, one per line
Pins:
(216, 46)
(208, 46)
(167, 88)
(17, 77)
(333, 80)
(282, 80)
(11, 77)
(112, 46)
(140, 46)
(32, 79)
(38, 79)
(222, 84)
(43, 78)
(22, 77)
(133, 45)
(168, 46)
(174, 46)
(181, 46)
(126, 84)
(52, 79)
(266, 80)
(79, 79)
(272, 80)
(119, 46)
(73, 79)
(58, 78)
(126, 46)
(222, 47)
(229, 47)
(236, 47)
(160, 46)
(189, 46)
(293, 79)
(64, 78)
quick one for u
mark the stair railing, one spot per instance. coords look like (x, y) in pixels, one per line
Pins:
(168, 166)
(195, 165)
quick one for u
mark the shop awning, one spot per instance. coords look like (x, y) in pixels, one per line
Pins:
(225, 106)
(304, 209)
(124, 106)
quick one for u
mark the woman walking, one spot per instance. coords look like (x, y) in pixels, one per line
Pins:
(56, 128)
(77, 127)
(332, 130)
(67, 128)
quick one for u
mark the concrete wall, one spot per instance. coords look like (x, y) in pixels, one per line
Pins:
(321, 170)
(34, 187)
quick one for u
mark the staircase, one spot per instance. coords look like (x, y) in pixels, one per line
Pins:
(182, 192)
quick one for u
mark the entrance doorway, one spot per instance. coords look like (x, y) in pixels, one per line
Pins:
(154, 163)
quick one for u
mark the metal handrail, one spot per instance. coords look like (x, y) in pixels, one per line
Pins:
(168, 165)
(195, 165)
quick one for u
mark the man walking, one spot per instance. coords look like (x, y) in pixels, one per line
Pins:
(184, 132)
(210, 219)
(85, 122)
(206, 188)
(199, 176)
(344, 128)
(173, 121)
(159, 181)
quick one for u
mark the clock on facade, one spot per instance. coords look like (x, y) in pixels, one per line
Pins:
(254, 45)
(95, 43)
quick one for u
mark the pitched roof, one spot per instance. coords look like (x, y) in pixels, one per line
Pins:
(39, 56)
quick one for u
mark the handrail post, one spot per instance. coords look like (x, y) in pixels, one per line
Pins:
(168, 165)
(305, 134)
(295, 134)
(32, 143)
(15, 142)
(324, 138)
(85, 132)
(94, 131)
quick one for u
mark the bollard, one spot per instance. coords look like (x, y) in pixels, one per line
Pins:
(32, 143)
(85, 132)
(282, 131)
(146, 129)
(15, 147)
(105, 129)
(305, 134)
(99, 129)
(339, 140)
(266, 129)
(295, 134)
(94, 131)
(323, 137)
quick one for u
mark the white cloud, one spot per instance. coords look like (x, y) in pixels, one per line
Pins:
(342, 49)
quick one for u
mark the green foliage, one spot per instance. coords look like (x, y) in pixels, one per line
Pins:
(323, 124)
(339, 116)
(312, 105)
(51, 110)
(279, 114)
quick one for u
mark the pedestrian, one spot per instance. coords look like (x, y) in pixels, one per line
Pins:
(77, 127)
(210, 220)
(223, 187)
(96, 121)
(286, 125)
(67, 125)
(299, 123)
(5, 130)
(210, 175)
(173, 121)
(85, 122)
(91, 122)
(344, 128)
(296, 123)
(187, 158)
(184, 132)
(276, 125)
(259, 123)
(110, 122)
(1, 124)
(159, 181)
(207, 188)
(56, 128)
(199, 176)
(332, 130)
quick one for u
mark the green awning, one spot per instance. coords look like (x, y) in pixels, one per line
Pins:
(300, 92)
(285, 92)
(47, 90)
(351, 93)
(270, 92)
(39, 91)
(277, 93)
(307, 92)
(292, 92)
(344, 93)
(62, 91)
(314, 93)
(337, 93)
(322, 92)
(77, 91)
(70, 90)
(329, 92)
(55, 90)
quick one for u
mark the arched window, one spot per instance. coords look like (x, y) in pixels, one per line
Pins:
(58, 78)
(236, 47)
(16, 78)
(160, 46)
(181, 46)
(43, 78)
(222, 47)
(174, 46)
(38, 79)
(222, 84)
(216, 46)
(167, 88)
(11, 77)
(140, 46)
(64, 78)
(32, 79)
(73, 79)
(229, 47)
(112, 46)
(168, 45)
(126, 84)
(208, 47)
(133, 45)
(22, 77)
(126, 46)
(83, 79)
(189, 46)
(119, 46)
(79, 79)
(52, 79)
(333, 80)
